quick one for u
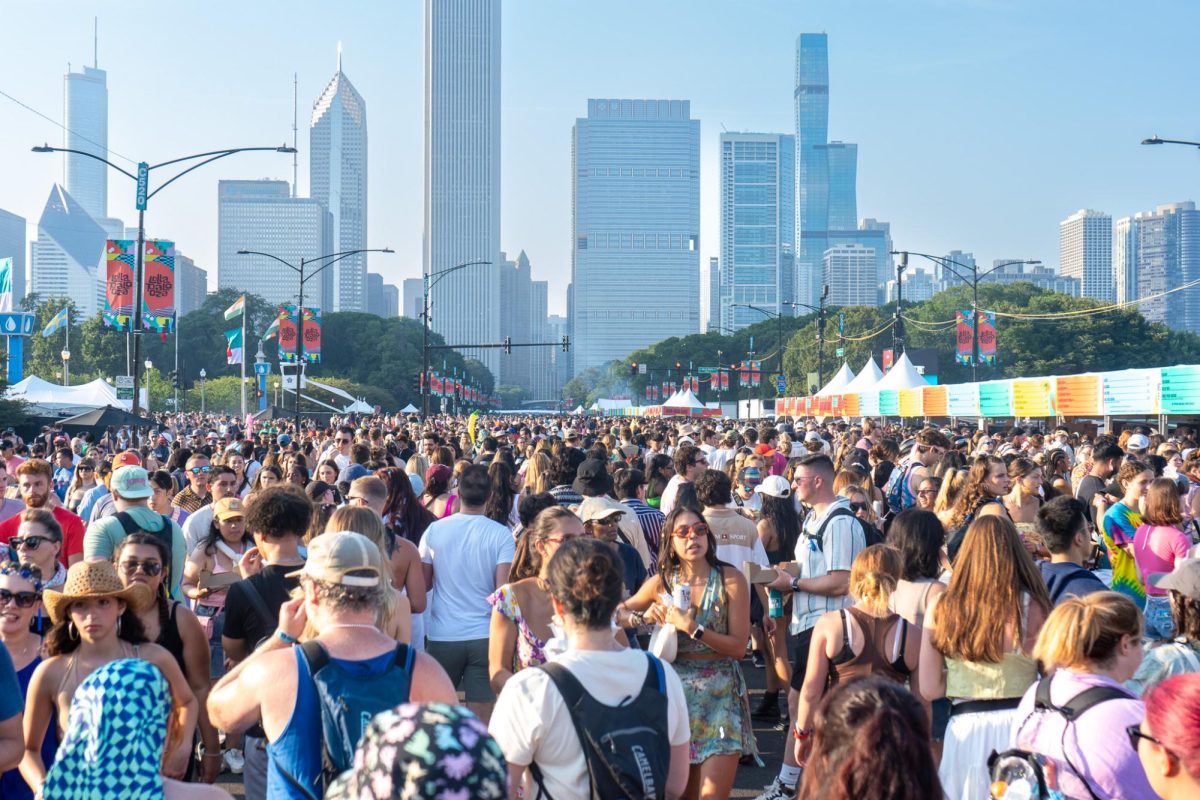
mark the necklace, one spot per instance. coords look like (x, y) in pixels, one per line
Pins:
(327, 628)
(19, 656)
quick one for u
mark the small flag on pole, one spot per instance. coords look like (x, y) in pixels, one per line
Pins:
(272, 330)
(233, 346)
(57, 322)
(236, 309)
(6, 290)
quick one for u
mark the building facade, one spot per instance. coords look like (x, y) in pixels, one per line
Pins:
(1168, 259)
(636, 221)
(13, 244)
(391, 300)
(918, 287)
(517, 323)
(65, 261)
(191, 284)
(850, 273)
(338, 175)
(411, 297)
(957, 269)
(558, 326)
(462, 171)
(713, 323)
(376, 302)
(263, 216)
(1085, 252)
(1040, 276)
(1125, 258)
(86, 113)
(758, 226)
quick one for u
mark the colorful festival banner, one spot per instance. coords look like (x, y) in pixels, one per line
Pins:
(312, 335)
(995, 399)
(287, 336)
(1180, 392)
(120, 259)
(987, 337)
(935, 401)
(889, 356)
(233, 346)
(1078, 395)
(1031, 397)
(889, 403)
(912, 402)
(158, 295)
(963, 337)
(849, 406)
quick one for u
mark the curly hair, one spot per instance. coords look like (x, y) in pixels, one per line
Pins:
(585, 576)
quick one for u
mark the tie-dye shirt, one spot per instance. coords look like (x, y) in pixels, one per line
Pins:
(1120, 524)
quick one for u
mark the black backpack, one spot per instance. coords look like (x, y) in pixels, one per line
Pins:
(626, 747)
(165, 535)
(1016, 764)
(841, 511)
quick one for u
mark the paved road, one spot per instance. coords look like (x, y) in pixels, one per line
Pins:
(750, 778)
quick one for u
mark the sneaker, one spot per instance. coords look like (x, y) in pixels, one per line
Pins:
(234, 761)
(768, 709)
(757, 660)
(777, 790)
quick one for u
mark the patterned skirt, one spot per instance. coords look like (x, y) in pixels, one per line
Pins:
(718, 708)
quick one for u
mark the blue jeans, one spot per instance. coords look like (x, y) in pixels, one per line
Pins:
(1159, 623)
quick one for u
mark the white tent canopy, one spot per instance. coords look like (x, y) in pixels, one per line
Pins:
(902, 375)
(409, 409)
(865, 380)
(838, 382)
(36, 391)
(685, 398)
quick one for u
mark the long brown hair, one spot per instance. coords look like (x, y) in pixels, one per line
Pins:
(527, 561)
(668, 561)
(975, 491)
(984, 600)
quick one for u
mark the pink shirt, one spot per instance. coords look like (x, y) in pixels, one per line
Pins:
(1157, 548)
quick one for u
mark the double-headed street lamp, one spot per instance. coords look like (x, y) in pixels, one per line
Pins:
(324, 261)
(973, 277)
(429, 281)
(141, 201)
(203, 375)
(778, 317)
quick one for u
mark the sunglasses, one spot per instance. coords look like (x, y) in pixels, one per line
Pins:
(693, 531)
(1134, 732)
(150, 568)
(28, 542)
(199, 470)
(858, 508)
(20, 599)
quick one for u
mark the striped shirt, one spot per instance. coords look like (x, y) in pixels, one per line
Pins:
(651, 520)
(843, 540)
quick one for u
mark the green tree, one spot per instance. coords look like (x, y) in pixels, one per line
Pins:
(43, 354)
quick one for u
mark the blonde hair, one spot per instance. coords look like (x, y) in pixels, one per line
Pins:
(874, 575)
(1084, 632)
(537, 474)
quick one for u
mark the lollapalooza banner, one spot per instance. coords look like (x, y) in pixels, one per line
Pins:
(158, 291)
(963, 337)
(987, 337)
(312, 335)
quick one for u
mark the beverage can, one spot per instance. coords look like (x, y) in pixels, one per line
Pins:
(774, 603)
(681, 595)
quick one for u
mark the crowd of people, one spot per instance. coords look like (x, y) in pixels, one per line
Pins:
(564, 607)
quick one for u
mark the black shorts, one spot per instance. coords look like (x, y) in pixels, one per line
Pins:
(799, 645)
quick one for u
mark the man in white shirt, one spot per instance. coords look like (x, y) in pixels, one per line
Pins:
(465, 558)
(689, 463)
(723, 453)
(195, 528)
(339, 450)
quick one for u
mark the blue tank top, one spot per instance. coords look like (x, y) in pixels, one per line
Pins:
(12, 785)
(294, 760)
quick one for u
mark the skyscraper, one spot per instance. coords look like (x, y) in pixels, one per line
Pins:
(191, 284)
(338, 175)
(850, 274)
(714, 294)
(758, 226)
(878, 235)
(1125, 258)
(462, 170)
(86, 113)
(391, 300)
(1085, 252)
(262, 215)
(376, 302)
(67, 254)
(958, 268)
(410, 305)
(12, 245)
(1167, 254)
(918, 287)
(516, 320)
(636, 220)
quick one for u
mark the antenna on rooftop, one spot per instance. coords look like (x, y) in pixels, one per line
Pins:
(295, 151)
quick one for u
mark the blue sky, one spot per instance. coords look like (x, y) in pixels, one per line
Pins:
(980, 123)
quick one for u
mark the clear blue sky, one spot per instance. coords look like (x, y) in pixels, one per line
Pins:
(980, 123)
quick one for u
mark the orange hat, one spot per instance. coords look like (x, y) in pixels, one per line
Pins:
(763, 450)
(126, 458)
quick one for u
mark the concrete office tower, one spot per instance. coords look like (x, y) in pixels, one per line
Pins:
(714, 295)
(542, 382)
(758, 226)
(558, 326)
(410, 305)
(1085, 252)
(636, 222)
(66, 258)
(956, 272)
(878, 235)
(1167, 258)
(86, 113)
(462, 171)
(918, 287)
(391, 300)
(1125, 258)
(517, 321)
(849, 272)
(191, 284)
(338, 179)
(376, 302)
(13, 245)
(262, 215)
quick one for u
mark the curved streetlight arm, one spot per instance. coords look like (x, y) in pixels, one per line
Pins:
(287, 264)
(219, 155)
(763, 311)
(45, 148)
(794, 304)
(437, 276)
(1003, 264)
(336, 257)
(1156, 140)
(944, 262)
(226, 152)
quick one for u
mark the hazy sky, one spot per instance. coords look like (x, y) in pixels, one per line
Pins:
(980, 123)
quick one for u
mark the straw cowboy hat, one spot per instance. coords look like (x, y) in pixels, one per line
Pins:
(94, 579)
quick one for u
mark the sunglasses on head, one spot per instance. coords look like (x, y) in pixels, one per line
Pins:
(20, 599)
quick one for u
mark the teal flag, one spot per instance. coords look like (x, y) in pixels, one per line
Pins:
(233, 346)
(6, 290)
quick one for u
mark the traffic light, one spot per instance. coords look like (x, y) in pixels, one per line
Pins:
(679, 367)
(175, 378)
(259, 394)
(633, 368)
(508, 344)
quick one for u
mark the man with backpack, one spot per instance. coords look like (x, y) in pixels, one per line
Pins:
(131, 492)
(1063, 526)
(315, 699)
(830, 540)
(901, 489)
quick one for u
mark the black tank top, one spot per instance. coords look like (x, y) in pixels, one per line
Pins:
(169, 638)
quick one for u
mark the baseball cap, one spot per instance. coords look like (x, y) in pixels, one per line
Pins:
(131, 483)
(751, 476)
(284, 439)
(126, 459)
(227, 508)
(812, 436)
(333, 556)
(593, 508)
(763, 450)
(774, 485)
(1137, 442)
(1185, 578)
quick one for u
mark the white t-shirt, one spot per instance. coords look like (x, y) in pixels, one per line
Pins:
(669, 493)
(197, 525)
(465, 550)
(531, 722)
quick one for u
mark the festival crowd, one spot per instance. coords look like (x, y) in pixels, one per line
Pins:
(564, 607)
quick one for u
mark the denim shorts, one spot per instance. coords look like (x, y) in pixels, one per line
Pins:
(1159, 622)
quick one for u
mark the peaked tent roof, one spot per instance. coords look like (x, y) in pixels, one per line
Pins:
(685, 398)
(101, 418)
(838, 381)
(865, 379)
(902, 375)
(409, 409)
(33, 389)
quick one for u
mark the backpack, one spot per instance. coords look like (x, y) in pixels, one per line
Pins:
(897, 492)
(626, 747)
(1016, 765)
(841, 511)
(164, 534)
(348, 702)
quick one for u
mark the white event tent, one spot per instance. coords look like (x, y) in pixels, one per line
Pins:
(838, 382)
(902, 375)
(55, 397)
(865, 380)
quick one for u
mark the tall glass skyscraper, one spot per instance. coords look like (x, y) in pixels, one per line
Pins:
(758, 226)
(462, 170)
(1085, 252)
(1157, 252)
(86, 113)
(636, 218)
(65, 259)
(338, 172)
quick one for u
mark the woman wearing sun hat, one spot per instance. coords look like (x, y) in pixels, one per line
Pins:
(95, 622)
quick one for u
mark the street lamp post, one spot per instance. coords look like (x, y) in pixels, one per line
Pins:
(429, 280)
(149, 366)
(820, 310)
(325, 261)
(66, 359)
(203, 375)
(976, 277)
(142, 199)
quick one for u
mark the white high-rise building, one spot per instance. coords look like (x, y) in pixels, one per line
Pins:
(1125, 258)
(338, 175)
(263, 216)
(66, 258)
(462, 171)
(918, 287)
(86, 113)
(1157, 253)
(714, 294)
(1085, 252)
(851, 274)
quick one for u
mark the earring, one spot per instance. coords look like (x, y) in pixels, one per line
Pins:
(118, 627)
(72, 633)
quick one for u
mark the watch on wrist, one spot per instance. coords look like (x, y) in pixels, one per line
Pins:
(698, 634)
(795, 584)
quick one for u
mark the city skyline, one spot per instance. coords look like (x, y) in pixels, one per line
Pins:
(968, 185)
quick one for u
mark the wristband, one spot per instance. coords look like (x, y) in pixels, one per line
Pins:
(801, 733)
(286, 637)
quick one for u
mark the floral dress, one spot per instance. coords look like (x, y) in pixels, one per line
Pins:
(531, 650)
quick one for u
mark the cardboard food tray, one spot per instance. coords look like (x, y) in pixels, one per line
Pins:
(759, 575)
(218, 581)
